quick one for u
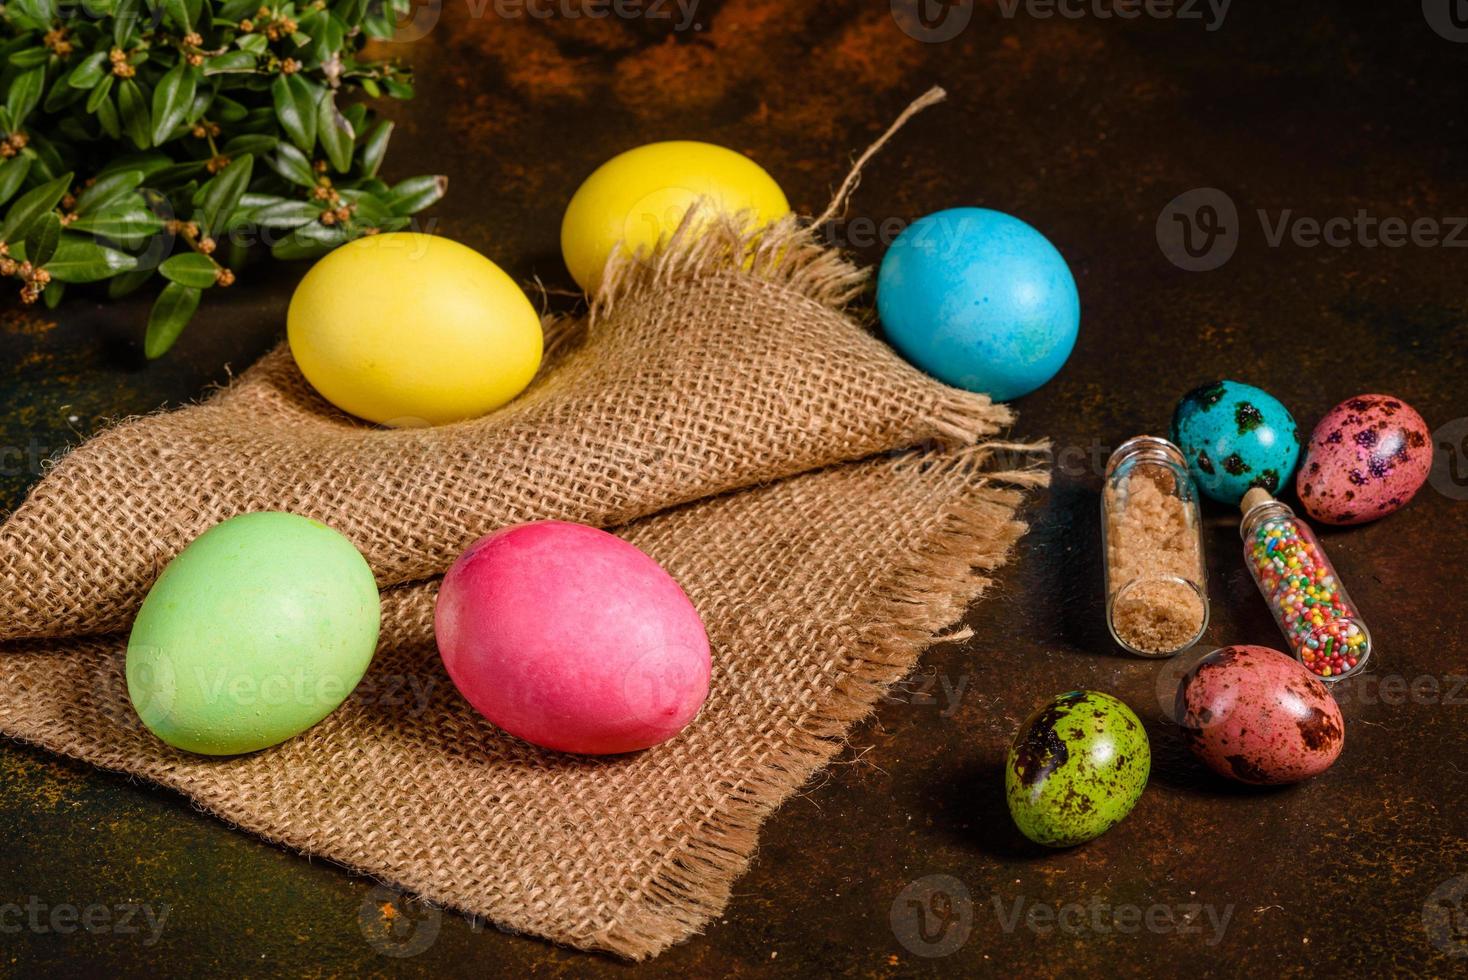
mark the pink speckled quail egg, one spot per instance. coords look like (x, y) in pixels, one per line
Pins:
(1366, 459)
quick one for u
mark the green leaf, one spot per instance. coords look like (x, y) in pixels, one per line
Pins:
(30, 57)
(12, 175)
(89, 71)
(253, 144)
(48, 163)
(417, 193)
(234, 11)
(221, 195)
(230, 61)
(176, 172)
(25, 92)
(335, 134)
(253, 43)
(53, 293)
(172, 99)
(31, 206)
(189, 269)
(310, 241)
(107, 189)
(396, 89)
(330, 34)
(79, 259)
(228, 109)
(38, 10)
(61, 96)
(255, 199)
(126, 19)
(41, 240)
(295, 107)
(146, 163)
(133, 108)
(127, 282)
(99, 94)
(292, 164)
(351, 12)
(285, 214)
(370, 209)
(356, 114)
(178, 12)
(200, 103)
(108, 119)
(375, 147)
(125, 225)
(172, 311)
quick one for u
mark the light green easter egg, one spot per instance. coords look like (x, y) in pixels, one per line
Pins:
(258, 630)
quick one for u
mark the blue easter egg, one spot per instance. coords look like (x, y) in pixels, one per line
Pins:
(979, 300)
(1235, 437)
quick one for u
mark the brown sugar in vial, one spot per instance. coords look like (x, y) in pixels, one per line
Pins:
(1154, 555)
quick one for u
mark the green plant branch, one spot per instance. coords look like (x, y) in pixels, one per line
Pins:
(136, 142)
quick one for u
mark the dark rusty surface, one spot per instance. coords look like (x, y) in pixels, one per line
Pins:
(1087, 128)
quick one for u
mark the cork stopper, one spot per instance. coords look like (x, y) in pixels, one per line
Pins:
(1255, 497)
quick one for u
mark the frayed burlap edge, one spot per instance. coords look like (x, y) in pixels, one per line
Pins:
(915, 608)
(788, 253)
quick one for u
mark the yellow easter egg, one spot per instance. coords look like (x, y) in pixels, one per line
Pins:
(637, 198)
(408, 329)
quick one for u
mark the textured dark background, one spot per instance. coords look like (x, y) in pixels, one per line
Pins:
(1087, 128)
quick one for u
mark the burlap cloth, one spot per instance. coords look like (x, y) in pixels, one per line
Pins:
(694, 375)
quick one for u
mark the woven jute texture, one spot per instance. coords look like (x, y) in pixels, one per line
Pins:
(827, 508)
(817, 592)
(688, 379)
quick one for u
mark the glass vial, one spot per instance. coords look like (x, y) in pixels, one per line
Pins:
(1156, 579)
(1297, 580)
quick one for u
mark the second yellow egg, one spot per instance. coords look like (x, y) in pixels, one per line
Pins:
(637, 198)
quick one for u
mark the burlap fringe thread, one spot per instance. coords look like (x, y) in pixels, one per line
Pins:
(921, 604)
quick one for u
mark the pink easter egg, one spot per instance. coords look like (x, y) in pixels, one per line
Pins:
(572, 639)
(1366, 459)
(1259, 716)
